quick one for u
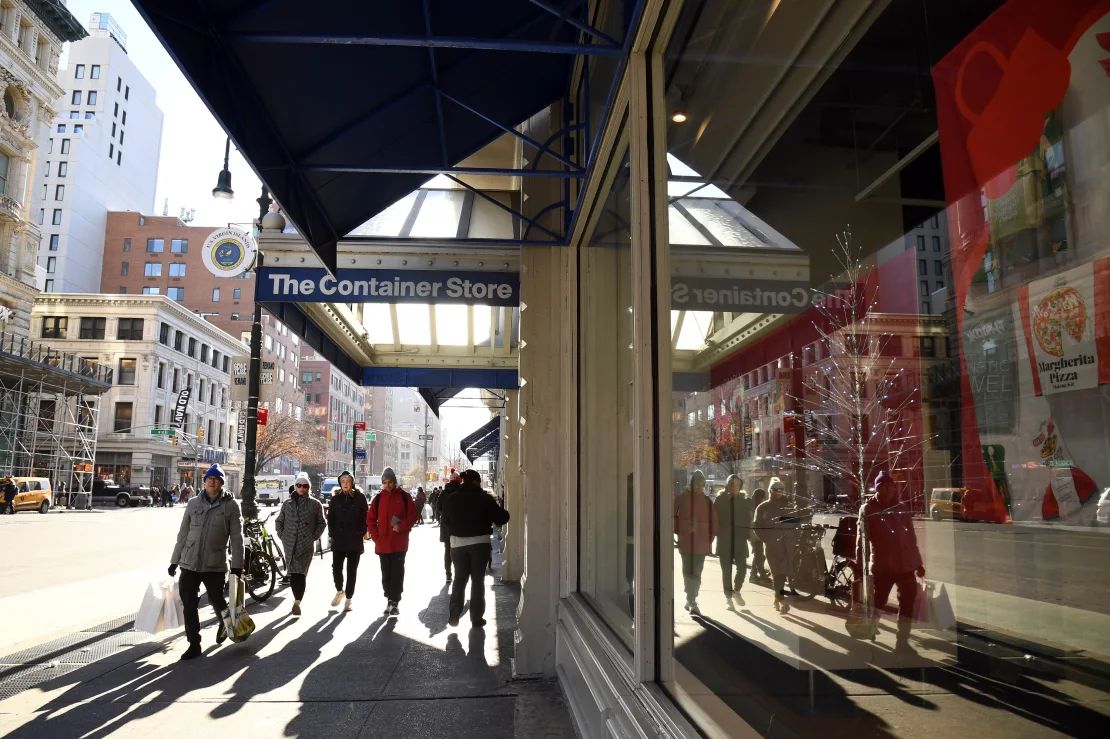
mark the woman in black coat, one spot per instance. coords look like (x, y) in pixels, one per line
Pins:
(347, 529)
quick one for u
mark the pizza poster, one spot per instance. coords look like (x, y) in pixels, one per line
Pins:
(1061, 317)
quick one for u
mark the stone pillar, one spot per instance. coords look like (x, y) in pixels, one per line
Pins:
(513, 554)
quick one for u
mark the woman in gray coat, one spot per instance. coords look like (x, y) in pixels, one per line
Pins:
(299, 525)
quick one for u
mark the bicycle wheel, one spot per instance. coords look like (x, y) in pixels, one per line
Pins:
(809, 576)
(274, 550)
(261, 575)
(842, 583)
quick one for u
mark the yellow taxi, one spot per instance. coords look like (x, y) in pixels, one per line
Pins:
(34, 494)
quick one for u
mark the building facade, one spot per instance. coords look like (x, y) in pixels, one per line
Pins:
(155, 349)
(411, 420)
(334, 403)
(101, 155)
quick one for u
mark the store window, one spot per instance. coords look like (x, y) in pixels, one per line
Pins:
(876, 536)
(606, 435)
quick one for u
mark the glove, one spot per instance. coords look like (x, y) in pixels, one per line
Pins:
(172, 570)
(920, 571)
(237, 571)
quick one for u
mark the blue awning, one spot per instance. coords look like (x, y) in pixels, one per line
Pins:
(344, 108)
(486, 439)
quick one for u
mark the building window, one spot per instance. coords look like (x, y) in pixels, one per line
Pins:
(123, 119)
(179, 341)
(79, 72)
(922, 267)
(176, 380)
(121, 423)
(192, 347)
(176, 293)
(78, 127)
(115, 111)
(49, 286)
(75, 115)
(124, 268)
(224, 368)
(921, 243)
(126, 94)
(121, 134)
(119, 158)
(126, 375)
(127, 244)
(161, 375)
(235, 316)
(215, 295)
(123, 289)
(936, 243)
(152, 269)
(56, 218)
(119, 84)
(178, 246)
(51, 265)
(164, 334)
(53, 242)
(113, 129)
(63, 168)
(177, 269)
(91, 99)
(155, 246)
(62, 128)
(95, 72)
(152, 291)
(111, 150)
(158, 414)
(54, 327)
(938, 268)
(65, 146)
(204, 353)
(59, 192)
(75, 99)
(928, 346)
(130, 329)
(92, 328)
(236, 294)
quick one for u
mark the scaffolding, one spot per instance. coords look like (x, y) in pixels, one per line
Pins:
(49, 412)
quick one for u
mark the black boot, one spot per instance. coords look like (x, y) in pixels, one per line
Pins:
(192, 652)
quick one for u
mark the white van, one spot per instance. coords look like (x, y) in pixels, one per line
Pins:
(272, 489)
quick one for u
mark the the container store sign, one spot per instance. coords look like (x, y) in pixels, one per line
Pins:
(229, 252)
(308, 285)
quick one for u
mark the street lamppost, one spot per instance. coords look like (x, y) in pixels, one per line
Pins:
(250, 507)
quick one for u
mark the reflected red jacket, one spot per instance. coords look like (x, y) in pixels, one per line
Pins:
(383, 508)
(695, 522)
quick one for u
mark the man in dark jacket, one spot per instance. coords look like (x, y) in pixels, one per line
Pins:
(346, 529)
(210, 526)
(887, 543)
(392, 515)
(734, 517)
(421, 501)
(471, 513)
(8, 490)
(444, 532)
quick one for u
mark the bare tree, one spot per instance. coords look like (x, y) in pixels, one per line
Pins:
(285, 436)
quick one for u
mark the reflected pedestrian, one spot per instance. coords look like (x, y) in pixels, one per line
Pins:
(734, 516)
(471, 514)
(299, 524)
(695, 526)
(211, 525)
(889, 542)
(444, 531)
(759, 550)
(391, 516)
(774, 523)
(347, 530)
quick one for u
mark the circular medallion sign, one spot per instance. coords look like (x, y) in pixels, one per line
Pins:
(229, 252)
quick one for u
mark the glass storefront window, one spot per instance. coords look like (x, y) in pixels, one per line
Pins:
(606, 436)
(890, 279)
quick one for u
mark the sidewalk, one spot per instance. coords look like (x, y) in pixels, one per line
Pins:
(324, 674)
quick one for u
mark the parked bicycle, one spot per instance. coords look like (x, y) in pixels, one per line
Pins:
(261, 557)
(810, 572)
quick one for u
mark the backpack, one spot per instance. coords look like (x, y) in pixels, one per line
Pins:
(374, 504)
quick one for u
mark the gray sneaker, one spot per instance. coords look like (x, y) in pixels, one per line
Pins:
(394, 610)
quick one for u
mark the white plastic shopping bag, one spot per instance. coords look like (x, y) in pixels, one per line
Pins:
(150, 617)
(173, 610)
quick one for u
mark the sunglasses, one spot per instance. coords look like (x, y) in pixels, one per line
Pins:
(302, 485)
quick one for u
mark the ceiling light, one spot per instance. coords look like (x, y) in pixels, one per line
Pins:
(679, 117)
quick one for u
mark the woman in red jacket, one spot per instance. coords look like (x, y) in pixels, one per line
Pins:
(695, 525)
(391, 516)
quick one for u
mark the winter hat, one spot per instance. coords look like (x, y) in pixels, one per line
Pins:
(697, 477)
(389, 474)
(881, 478)
(776, 483)
(472, 476)
(346, 473)
(215, 471)
(302, 477)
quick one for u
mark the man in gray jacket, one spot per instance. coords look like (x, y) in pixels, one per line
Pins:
(211, 522)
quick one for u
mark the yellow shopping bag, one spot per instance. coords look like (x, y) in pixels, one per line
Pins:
(238, 622)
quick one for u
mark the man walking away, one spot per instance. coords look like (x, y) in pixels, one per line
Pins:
(471, 513)
(391, 516)
(347, 529)
(891, 553)
(9, 491)
(444, 530)
(299, 525)
(421, 500)
(734, 515)
(759, 551)
(433, 501)
(210, 526)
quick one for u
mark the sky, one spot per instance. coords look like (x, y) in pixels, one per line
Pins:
(192, 140)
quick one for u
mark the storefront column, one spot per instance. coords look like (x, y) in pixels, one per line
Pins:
(513, 553)
(545, 330)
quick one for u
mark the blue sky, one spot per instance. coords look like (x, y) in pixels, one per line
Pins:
(192, 140)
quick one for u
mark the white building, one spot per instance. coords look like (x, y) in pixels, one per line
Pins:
(412, 419)
(30, 46)
(155, 348)
(101, 155)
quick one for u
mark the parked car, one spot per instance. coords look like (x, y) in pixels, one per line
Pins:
(327, 488)
(1102, 513)
(946, 504)
(107, 491)
(35, 494)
